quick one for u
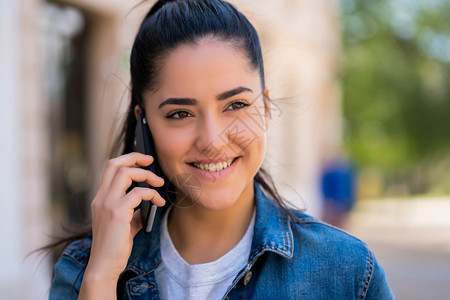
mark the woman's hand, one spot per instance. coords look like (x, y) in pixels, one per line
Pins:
(115, 222)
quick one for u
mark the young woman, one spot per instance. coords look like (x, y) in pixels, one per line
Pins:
(222, 230)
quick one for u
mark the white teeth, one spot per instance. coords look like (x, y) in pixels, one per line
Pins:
(214, 167)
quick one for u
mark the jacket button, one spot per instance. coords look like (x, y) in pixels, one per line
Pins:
(140, 287)
(247, 278)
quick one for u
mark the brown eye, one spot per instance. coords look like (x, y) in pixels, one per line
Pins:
(181, 114)
(237, 105)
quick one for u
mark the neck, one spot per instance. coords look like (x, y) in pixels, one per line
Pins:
(201, 235)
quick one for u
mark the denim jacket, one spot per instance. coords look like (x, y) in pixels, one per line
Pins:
(317, 261)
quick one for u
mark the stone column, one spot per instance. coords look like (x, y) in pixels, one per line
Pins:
(24, 222)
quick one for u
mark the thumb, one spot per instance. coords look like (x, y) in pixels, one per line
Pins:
(136, 223)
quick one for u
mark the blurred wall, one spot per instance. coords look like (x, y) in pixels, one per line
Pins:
(300, 43)
(24, 222)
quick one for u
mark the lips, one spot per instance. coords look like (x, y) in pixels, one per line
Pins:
(214, 169)
(213, 166)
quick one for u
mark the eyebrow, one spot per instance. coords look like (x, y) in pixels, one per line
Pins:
(233, 92)
(178, 101)
(191, 101)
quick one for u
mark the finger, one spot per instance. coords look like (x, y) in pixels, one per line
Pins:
(139, 194)
(125, 176)
(126, 160)
(123, 209)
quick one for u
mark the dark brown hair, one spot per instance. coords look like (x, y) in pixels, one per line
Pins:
(169, 24)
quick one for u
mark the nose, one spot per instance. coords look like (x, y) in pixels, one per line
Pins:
(212, 138)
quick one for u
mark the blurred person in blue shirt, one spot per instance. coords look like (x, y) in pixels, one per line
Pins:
(338, 185)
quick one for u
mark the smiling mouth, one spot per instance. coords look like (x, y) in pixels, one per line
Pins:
(214, 167)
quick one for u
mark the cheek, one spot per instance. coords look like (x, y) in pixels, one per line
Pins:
(256, 127)
(247, 132)
(170, 145)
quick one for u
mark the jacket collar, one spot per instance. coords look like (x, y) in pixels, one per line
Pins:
(272, 228)
(272, 232)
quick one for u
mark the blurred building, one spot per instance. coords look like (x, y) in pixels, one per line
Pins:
(63, 88)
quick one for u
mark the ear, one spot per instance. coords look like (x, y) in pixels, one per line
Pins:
(267, 111)
(137, 111)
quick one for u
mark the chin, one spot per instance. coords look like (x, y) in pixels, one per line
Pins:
(218, 200)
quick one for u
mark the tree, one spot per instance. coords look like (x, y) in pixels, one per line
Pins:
(396, 91)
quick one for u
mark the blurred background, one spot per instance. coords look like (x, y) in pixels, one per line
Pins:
(360, 131)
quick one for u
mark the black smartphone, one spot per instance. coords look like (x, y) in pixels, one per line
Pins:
(143, 143)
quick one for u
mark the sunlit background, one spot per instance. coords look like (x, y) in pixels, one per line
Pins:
(395, 81)
(360, 131)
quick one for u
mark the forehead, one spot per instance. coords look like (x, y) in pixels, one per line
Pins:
(207, 65)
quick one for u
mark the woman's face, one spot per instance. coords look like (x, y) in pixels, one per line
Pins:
(209, 122)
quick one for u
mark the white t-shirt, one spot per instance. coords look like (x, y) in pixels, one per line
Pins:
(176, 279)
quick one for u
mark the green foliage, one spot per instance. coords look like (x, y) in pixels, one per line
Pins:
(396, 90)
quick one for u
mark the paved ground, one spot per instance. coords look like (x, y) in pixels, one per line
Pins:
(411, 239)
